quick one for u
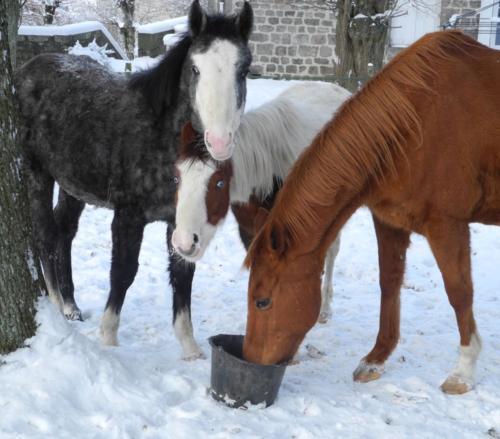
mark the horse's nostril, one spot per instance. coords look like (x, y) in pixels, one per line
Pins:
(195, 238)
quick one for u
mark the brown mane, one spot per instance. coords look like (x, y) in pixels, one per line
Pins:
(365, 141)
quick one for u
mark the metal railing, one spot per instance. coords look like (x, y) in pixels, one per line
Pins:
(475, 22)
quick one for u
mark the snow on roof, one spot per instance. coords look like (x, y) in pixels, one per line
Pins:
(73, 29)
(161, 26)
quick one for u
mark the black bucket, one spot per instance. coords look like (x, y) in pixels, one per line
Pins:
(235, 381)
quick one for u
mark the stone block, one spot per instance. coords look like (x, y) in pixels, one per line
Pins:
(286, 38)
(290, 13)
(266, 28)
(287, 20)
(325, 51)
(322, 61)
(280, 50)
(264, 49)
(318, 39)
(276, 38)
(300, 39)
(291, 69)
(297, 61)
(271, 68)
(308, 51)
(281, 28)
(292, 51)
(284, 60)
(311, 21)
(273, 20)
(260, 37)
(313, 70)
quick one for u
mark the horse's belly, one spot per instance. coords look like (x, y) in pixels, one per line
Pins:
(82, 193)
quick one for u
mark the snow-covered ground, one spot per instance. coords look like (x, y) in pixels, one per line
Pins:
(66, 385)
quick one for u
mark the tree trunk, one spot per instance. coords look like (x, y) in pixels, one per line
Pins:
(20, 274)
(361, 37)
(50, 10)
(127, 29)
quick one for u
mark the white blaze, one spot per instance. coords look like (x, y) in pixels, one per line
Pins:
(191, 214)
(216, 93)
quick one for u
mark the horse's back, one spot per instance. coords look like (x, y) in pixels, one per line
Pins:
(81, 122)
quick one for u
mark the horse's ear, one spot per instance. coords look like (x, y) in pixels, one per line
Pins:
(188, 134)
(244, 21)
(278, 240)
(260, 219)
(197, 19)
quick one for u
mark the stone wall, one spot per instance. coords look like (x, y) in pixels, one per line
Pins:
(29, 46)
(291, 40)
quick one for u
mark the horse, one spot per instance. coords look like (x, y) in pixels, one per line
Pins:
(268, 142)
(113, 141)
(418, 145)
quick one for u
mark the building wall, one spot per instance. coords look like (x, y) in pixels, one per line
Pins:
(292, 41)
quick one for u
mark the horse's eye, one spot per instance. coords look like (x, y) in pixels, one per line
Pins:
(176, 180)
(220, 184)
(195, 70)
(263, 303)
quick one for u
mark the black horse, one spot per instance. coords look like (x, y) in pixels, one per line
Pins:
(112, 142)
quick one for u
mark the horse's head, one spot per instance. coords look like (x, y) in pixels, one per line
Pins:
(284, 296)
(202, 196)
(216, 67)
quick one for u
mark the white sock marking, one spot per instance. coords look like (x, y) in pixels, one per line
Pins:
(184, 332)
(109, 328)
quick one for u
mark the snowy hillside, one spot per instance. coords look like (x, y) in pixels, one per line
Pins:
(66, 385)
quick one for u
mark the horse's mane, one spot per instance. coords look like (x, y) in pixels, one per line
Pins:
(271, 137)
(365, 141)
(160, 84)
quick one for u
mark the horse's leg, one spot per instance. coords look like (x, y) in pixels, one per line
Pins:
(449, 242)
(392, 246)
(41, 190)
(181, 278)
(67, 213)
(327, 287)
(127, 232)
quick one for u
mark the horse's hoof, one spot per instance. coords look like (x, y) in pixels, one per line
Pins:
(324, 316)
(72, 312)
(194, 356)
(455, 386)
(366, 372)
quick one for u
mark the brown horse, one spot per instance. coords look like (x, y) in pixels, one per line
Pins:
(420, 146)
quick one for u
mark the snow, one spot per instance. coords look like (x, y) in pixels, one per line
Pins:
(162, 26)
(73, 29)
(66, 384)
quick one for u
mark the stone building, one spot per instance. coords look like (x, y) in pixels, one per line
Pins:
(291, 39)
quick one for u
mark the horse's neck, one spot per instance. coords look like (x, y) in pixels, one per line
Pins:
(268, 142)
(175, 119)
